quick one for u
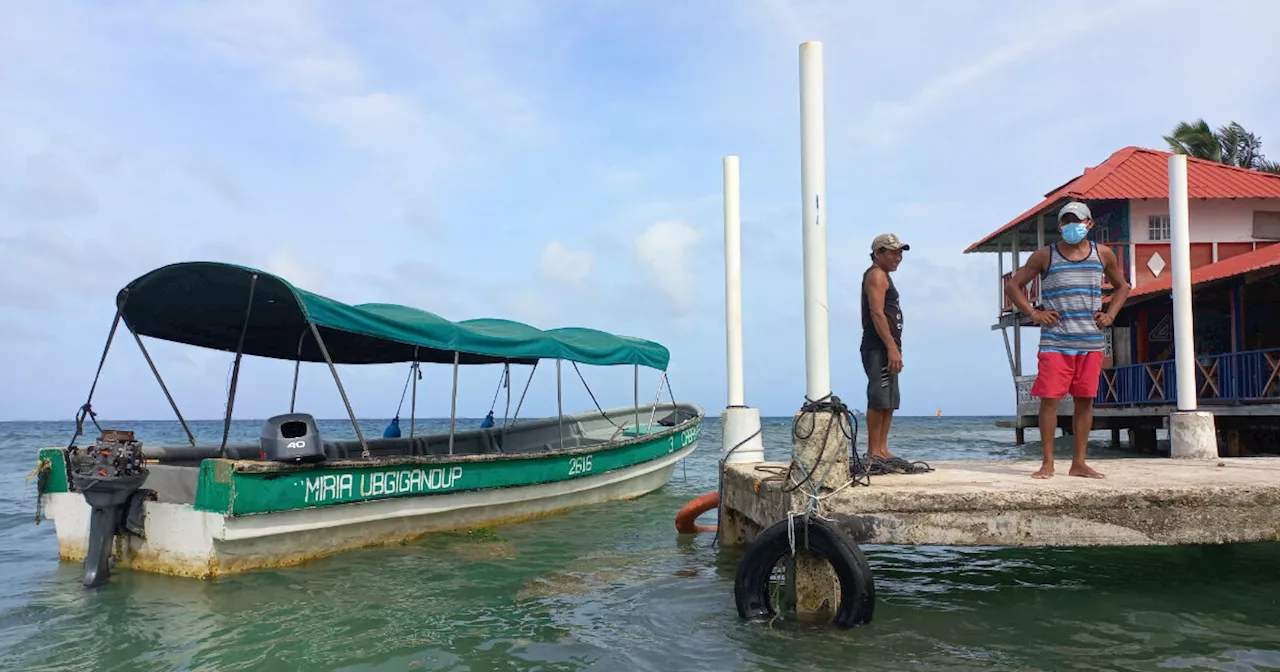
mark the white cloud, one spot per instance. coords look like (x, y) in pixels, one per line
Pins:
(571, 267)
(666, 252)
(289, 44)
(888, 123)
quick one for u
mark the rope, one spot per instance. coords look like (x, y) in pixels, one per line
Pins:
(412, 367)
(501, 380)
(86, 409)
(593, 398)
(41, 475)
(813, 482)
(895, 465)
(720, 481)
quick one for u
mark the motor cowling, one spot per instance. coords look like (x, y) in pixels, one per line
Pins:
(292, 437)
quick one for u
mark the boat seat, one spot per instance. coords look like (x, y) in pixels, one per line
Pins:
(241, 451)
(478, 442)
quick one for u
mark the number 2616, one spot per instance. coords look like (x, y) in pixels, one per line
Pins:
(579, 465)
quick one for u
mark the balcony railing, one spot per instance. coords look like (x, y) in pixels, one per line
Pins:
(1032, 292)
(1224, 378)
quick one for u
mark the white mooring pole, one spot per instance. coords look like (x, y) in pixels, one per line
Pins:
(818, 448)
(740, 426)
(1180, 251)
(813, 187)
(733, 280)
(1191, 432)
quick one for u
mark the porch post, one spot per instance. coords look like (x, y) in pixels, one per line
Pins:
(1237, 315)
(1000, 271)
(1017, 322)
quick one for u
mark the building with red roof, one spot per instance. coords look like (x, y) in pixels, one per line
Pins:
(1234, 221)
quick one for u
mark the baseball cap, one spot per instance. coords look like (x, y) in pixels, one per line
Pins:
(888, 241)
(1075, 208)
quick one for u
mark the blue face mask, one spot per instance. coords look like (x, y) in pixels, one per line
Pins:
(1074, 232)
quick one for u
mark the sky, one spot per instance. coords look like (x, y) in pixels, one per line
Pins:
(560, 163)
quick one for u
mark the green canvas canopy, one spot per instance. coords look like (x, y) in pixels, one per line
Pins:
(204, 304)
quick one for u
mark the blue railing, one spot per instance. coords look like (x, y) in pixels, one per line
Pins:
(1224, 378)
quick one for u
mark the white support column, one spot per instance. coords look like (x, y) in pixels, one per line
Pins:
(1191, 433)
(813, 187)
(1180, 251)
(733, 281)
(740, 425)
(811, 452)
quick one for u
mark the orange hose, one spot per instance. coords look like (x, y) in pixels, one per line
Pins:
(689, 513)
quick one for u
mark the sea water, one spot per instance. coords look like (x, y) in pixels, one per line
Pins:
(613, 587)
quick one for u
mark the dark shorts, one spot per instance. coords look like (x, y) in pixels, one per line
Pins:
(882, 386)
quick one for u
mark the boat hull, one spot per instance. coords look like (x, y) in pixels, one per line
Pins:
(182, 540)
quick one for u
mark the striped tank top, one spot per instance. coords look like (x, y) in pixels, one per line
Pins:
(1073, 289)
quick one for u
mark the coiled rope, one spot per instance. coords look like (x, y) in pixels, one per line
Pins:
(813, 479)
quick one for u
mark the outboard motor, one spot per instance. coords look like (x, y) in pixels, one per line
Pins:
(292, 437)
(108, 473)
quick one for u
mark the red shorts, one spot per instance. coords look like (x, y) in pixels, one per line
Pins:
(1060, 373)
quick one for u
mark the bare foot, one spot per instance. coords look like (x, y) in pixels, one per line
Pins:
(884, 454)
(1046, 471)
(1084, 471)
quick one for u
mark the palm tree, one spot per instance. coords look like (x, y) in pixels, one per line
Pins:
(1230, 144)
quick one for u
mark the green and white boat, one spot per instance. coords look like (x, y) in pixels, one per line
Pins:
(203, 511)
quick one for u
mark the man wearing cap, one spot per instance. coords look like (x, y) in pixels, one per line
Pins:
(881, 342)
(1071, 324)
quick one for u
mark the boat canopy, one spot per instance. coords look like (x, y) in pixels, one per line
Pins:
(204, 304)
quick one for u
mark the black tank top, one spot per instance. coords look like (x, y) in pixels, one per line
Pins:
(892, 311)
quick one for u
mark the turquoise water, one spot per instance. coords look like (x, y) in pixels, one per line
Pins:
(613, 587)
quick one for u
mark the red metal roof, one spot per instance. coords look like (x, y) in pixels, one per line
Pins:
(1259, 259)
(1136, 172)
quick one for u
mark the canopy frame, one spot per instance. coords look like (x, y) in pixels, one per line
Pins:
(155, 304)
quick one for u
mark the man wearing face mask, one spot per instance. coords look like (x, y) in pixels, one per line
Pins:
(1071, 324)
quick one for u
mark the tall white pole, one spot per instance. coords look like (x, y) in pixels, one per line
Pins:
(733, 281)
(740, 435)
(813, 187)
(1183, 325)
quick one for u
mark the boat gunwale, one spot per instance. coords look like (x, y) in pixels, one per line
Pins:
(260, 467)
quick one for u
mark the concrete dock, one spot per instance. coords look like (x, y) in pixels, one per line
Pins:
(1142, 501)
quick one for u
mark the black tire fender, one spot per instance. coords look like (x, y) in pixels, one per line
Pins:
(857, 587)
